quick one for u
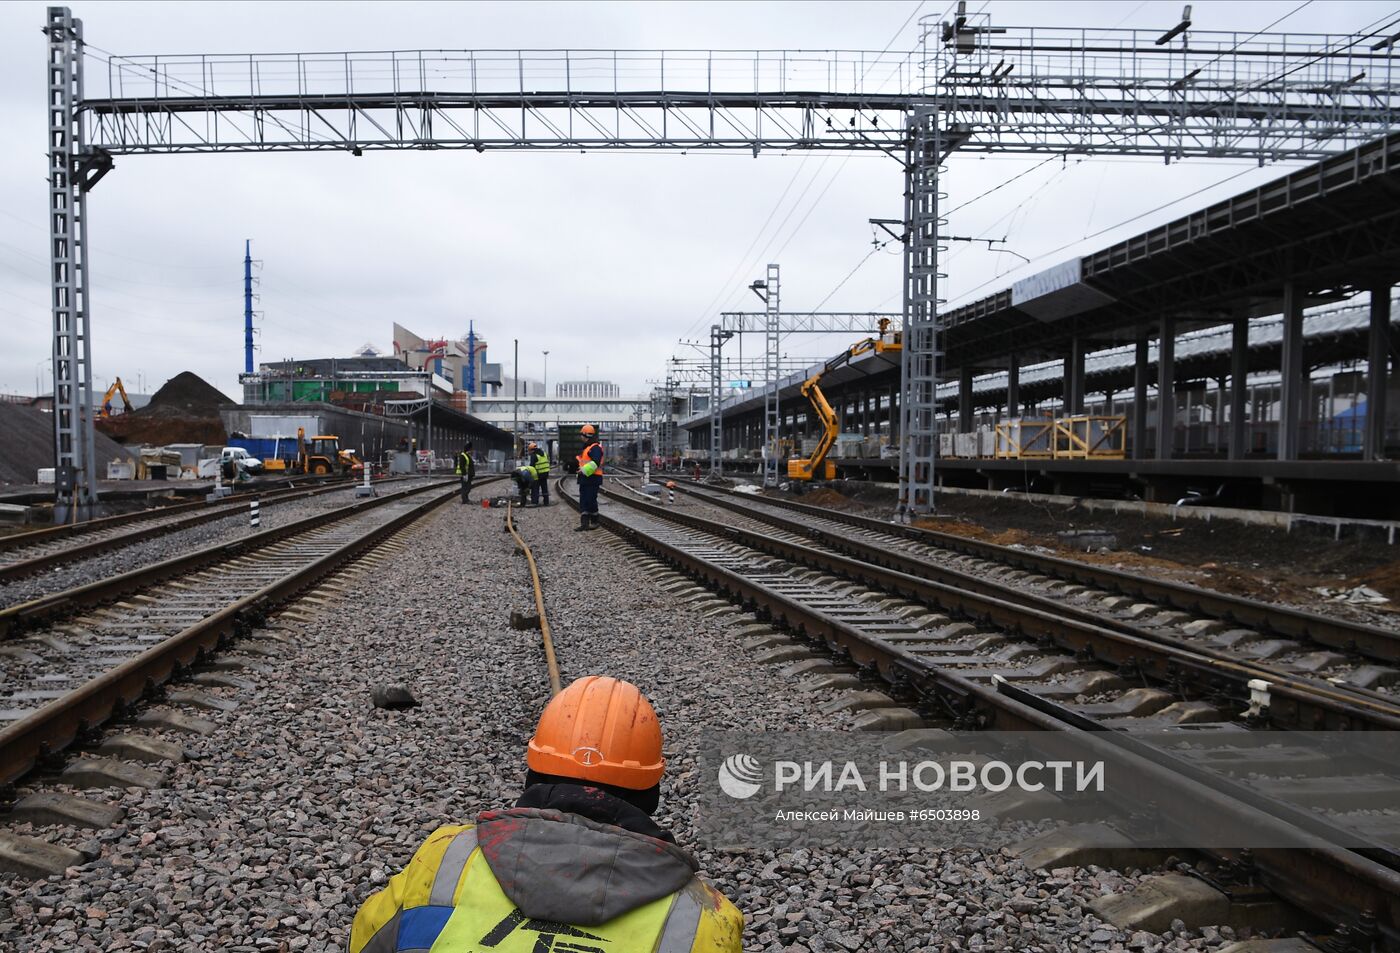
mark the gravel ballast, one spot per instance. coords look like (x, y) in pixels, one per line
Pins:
(306, 798)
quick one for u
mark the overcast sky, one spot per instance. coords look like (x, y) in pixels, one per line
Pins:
(605, 260)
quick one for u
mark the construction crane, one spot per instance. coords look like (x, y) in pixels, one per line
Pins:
(116, 388)
(809, 468)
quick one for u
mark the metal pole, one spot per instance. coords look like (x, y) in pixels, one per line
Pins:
(247, 306)
(515, 424)
(75, 469)
(546, 375)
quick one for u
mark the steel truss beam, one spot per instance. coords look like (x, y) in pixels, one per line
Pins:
(812, 322)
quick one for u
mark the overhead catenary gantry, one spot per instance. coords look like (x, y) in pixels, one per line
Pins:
(774, 324)
(966, 86)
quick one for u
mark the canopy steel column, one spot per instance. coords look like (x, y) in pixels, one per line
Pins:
(1074, 376)
(918, 400)
(1013, 387)
(1377, 372)
(1140, 366)
(1166, 388)
(1239, 385)
(965, 409)
(1293, 382)
(75, 461)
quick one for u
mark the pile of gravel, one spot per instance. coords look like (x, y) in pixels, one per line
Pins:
(307, 798)
(26, 433)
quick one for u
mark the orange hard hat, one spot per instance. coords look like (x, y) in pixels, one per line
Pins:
(599, 729)
(588, 429)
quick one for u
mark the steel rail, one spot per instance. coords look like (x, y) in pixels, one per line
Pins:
(1334, 882)
(1367, 640)
(1294, 703)
(58, 724)
(970, 582)
(55, 605)
(208, 513)
(16, 540)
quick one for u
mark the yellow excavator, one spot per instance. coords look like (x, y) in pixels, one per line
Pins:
(117, 388)
(817, 466)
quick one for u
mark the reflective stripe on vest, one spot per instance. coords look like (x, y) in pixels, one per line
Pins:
(678, 935)
(454, 861)
(585, 462)
(487, 918)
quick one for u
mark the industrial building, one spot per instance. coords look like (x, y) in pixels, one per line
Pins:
(374, 404)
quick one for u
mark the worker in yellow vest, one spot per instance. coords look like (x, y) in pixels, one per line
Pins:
(540, 461)
(590, 477)
(577, 864)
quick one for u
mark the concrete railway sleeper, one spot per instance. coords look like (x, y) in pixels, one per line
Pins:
(72, 677)
(25, 615)
(103, 523)
(963, 679)
(1127, 654)
(1348, 672)
(1267, 619)
(27, 553)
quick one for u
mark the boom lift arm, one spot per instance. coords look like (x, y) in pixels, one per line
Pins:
(817, 466)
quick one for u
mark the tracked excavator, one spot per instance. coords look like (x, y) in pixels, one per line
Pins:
(817, 466)
(117, 388)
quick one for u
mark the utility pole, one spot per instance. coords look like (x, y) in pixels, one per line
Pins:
(546, 373)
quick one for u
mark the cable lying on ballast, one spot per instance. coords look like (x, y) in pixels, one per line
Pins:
(550, 661)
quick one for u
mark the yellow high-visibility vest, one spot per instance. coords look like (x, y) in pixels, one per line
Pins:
(448, 901)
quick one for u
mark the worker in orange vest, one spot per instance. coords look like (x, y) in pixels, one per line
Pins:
(590, 478)
(577, 864)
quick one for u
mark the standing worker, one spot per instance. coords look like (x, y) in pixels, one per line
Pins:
(540, 461)
(578, 863)
(590, 478)
(466, 470)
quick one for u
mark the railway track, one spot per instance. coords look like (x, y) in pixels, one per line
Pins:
(971, 659)
(78, 658)
(25, 554)
(1269, 626)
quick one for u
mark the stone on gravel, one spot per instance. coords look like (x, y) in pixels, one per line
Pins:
(393, 697)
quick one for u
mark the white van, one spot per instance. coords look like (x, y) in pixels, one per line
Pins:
(241, 458)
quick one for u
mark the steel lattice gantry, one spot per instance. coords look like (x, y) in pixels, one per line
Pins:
(774, 324)
(965, 86)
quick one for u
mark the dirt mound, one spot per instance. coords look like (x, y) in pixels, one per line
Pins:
(26, 433)
(185, 395)
(184, 410)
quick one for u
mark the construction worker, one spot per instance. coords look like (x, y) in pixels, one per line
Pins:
(590, 477)
(466, 471)
(577, 864)
(540, 461)
(524, 477)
